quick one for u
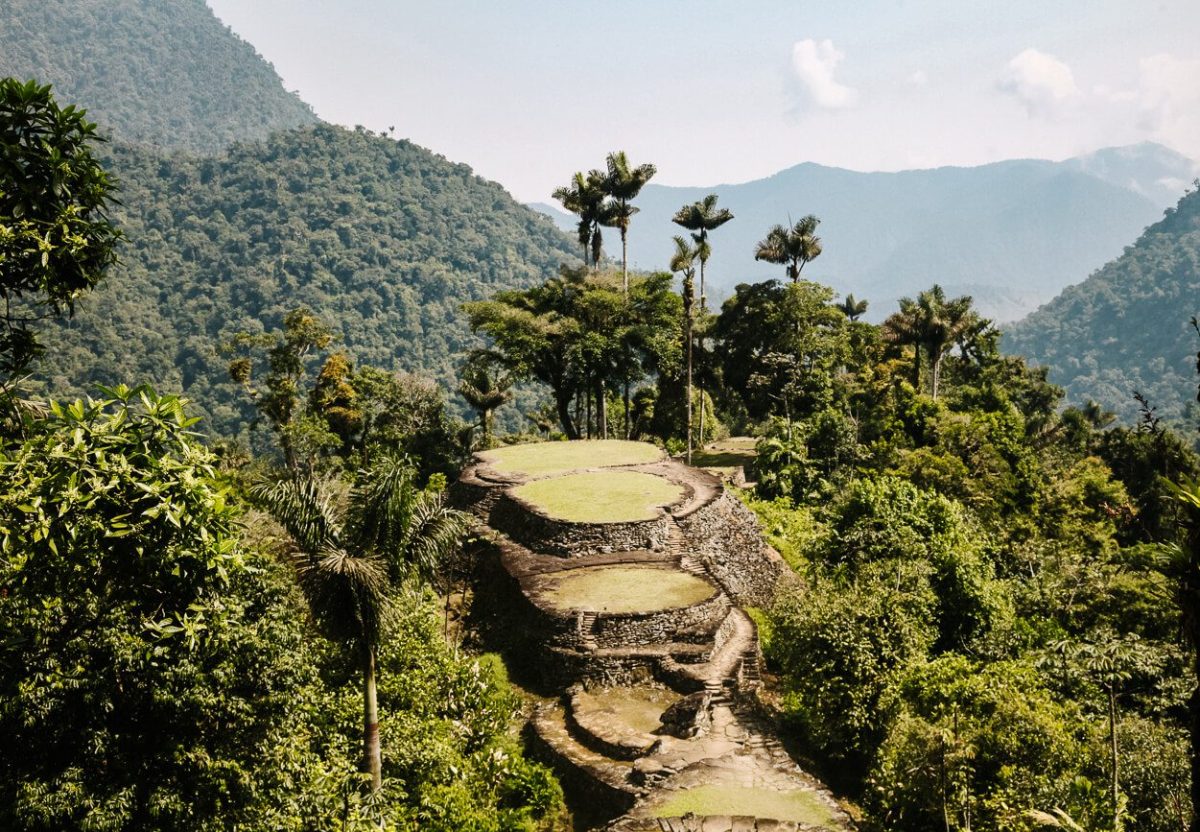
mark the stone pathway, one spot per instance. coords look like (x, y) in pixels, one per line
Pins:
(710, 763)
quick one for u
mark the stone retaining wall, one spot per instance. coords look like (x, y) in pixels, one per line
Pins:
(534, 530)
(725, 535)
(628, 629)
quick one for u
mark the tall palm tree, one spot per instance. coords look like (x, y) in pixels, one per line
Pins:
(793, 247)
(935, 325)
(587, 197)
(684, 262)
(1183, 565)
(853, 309)
(351, 554)
(622, 183)
(701, 217)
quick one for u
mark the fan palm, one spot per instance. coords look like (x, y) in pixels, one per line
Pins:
(684, 262)
(700, 218)
(350, 556)
(623, 183)
(793, 247)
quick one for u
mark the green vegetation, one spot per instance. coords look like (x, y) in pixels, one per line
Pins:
(159, 659)
(381, 239)
(55, 238)
(540, 459)
(164, 74)
(1125, 329)
(763, 802)
(601, 496)
(620, 589)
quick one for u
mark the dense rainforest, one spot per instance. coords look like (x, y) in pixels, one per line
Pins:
(165, 74)
(1126, 328)
(994, 625)
(384, 238)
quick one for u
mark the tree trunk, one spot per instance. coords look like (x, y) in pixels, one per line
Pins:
(601, 411)
(703, 309)
(1115, 761)
(626, 399)
(563, 402)
(587, 422)
(624, 262)
(372, 758)
(689, 387)
(916, 371)
(935, 370)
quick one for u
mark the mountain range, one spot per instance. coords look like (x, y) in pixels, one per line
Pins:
(1012, 234)
(1127, 328)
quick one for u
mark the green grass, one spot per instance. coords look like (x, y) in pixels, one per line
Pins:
(797, 806)
(625, 589)
(601, 496)
(544, 458)
(635, 709)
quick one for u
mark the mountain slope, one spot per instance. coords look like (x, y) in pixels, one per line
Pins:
(1012, 233)
(1126, 327)
(160, 72)
(381, 238)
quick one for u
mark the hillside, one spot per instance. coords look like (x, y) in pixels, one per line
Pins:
(1126, 327)
(1012, 233)
(166, 73)
(382, 238)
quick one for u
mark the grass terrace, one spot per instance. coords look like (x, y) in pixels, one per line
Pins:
(601, 496)
(543, 458)
(797, 806)
(625, 589)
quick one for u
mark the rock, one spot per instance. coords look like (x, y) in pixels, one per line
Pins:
(689, 717)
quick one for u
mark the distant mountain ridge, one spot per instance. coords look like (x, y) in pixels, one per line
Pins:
(1126, 328)
(166, 73)
(1011, 233)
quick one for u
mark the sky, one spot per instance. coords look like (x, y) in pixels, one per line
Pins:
(529, 91)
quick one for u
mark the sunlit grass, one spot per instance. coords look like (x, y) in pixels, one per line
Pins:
(601, 496)
(556, 457)
(625, 589)
(634, 709)
(797, 806)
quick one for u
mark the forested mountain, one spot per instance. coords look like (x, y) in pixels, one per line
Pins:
(166, 72)
(381, 238)
(1012, 234)
(1127, 327)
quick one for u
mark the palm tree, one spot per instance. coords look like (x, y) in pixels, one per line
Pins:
(350, 555)
(853, 309)
(484, 391)
(936, 325)
(684, 262)
(586, 196)
(792, 247)
(904, 328)
(622, 184)
(700, 218)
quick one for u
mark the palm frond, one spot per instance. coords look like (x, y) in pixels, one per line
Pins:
(347, 595)
(435, 531)
(305, 507)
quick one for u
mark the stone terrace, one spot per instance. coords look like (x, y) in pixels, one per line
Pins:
(637, 626)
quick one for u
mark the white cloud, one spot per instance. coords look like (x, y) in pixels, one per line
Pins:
(1041, 82)
(813, 65)
(920, 78)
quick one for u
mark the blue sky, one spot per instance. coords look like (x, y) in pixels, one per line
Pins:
(711, 92)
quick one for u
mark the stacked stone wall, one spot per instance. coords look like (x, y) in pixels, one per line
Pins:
(725, 535)
(534, 530)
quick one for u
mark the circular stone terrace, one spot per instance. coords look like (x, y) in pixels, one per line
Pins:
(623, 589)
(544, 459)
